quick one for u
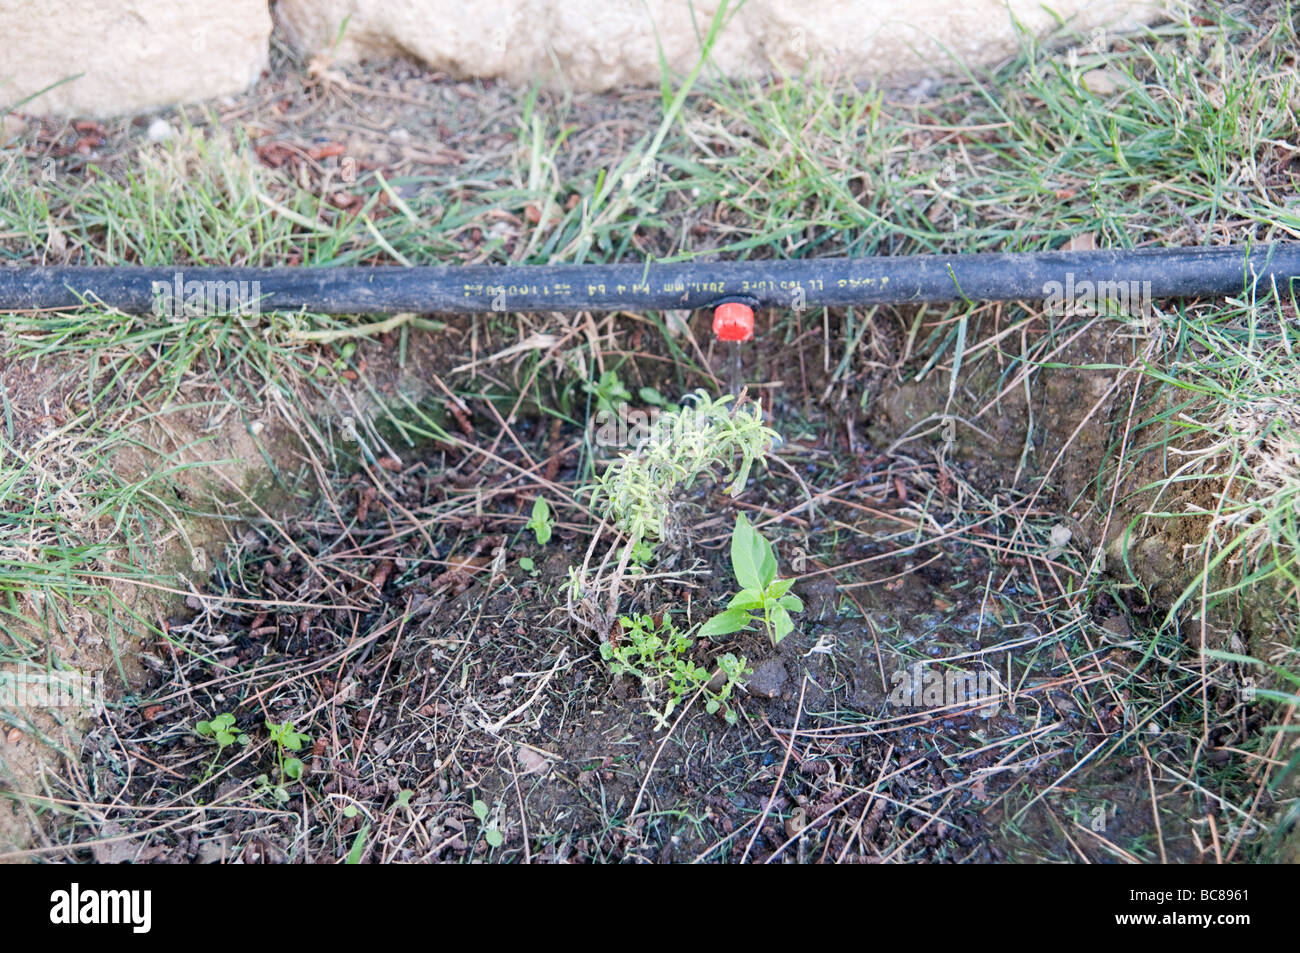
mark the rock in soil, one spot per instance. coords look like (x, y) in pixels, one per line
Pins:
(768, 679)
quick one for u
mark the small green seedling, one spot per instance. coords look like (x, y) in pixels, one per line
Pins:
(491, 833)
(527, 565)
(540, 522)
(221, 730)
(642, 553)
(609, 391)
(286, 739)
(733, 672)
(754, 564)
(652, 397)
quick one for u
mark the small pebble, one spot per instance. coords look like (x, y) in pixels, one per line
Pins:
(160, 130)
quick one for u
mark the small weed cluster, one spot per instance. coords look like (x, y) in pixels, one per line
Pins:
(222, 732)
(656, 653)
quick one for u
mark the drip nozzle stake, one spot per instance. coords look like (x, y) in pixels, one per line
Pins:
(733, 321)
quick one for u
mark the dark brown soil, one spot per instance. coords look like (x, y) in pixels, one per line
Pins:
(395, 626)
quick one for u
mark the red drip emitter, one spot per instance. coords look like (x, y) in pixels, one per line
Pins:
(733, 321)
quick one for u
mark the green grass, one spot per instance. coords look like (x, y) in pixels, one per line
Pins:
(74, 517)
(1228, 418)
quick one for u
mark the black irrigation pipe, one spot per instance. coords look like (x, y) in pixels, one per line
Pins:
(1152, 273)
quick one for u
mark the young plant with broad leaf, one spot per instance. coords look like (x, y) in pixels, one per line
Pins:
(222, 731)
(762, 592)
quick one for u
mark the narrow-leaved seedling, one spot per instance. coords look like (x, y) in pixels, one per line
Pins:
(636, 492)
